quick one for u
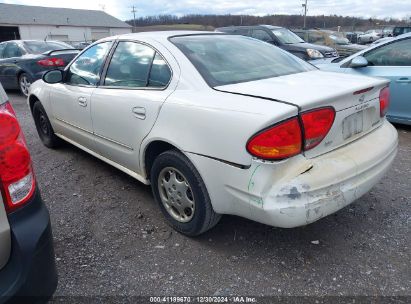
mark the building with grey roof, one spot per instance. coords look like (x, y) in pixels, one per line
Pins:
(65, 24)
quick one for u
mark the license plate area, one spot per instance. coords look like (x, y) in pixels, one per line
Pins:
(353, 125)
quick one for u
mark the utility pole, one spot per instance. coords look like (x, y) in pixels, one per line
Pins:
(305, 12)
(134, 16)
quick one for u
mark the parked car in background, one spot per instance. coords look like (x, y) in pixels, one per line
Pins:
(390, 59)
(370, 36)
(381, 40)
(387, 31)
(24, 61)
(336, 40)
(283, 38)
(221, 124)
(27, 266)
(399, 30)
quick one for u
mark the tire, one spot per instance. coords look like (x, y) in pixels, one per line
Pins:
(44, 128)
(182, 173)
(24, 84)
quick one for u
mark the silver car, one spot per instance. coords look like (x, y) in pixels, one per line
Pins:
(390, 59)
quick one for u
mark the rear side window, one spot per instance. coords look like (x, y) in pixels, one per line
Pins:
(160, 73)
(38, 47)
(2, 47)
(12, 50)
(137, 65)
(86, 69)
(228, 59)
(394, 54)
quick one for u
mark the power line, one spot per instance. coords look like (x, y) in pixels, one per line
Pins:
(305, 12)
(134, 14)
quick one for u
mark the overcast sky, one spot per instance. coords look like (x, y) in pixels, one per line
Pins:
(122, 8)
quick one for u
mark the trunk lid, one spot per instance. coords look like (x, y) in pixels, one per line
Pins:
(354, 98)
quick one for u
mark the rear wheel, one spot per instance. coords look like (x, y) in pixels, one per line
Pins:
(181, 194)
(24, 84)
(43, 126)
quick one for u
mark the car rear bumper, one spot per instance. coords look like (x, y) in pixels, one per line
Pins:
(31, 270)
(299, 191)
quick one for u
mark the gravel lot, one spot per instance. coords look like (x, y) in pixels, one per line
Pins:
(110, 238)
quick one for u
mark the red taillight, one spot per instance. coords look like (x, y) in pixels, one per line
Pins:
(316, 125)
(16, 176)
(52, 62)
(384, 101)
(286, 138)
(278, 142)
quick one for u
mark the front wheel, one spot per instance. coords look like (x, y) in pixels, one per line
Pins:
(24, 84)
(43, 126)
(181, 194)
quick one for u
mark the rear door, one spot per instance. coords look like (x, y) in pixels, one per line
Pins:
(393, 61)
(5, 242)
(125, 107)
(70, 100)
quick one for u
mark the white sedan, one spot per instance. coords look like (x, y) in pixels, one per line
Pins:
(221, 124)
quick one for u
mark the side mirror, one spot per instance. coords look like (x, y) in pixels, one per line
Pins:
(359, 62)
(53, 76)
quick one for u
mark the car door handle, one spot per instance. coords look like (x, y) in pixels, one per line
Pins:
(403, 80)
(139, 112)
(82, 101)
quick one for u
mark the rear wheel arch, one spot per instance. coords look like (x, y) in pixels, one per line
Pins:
(154, 149)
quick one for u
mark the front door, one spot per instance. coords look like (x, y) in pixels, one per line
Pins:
(70, 100)
(393, 61)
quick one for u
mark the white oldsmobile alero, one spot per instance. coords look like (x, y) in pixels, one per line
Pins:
(221, 124)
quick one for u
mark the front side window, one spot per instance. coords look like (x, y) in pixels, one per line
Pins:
(86, 69)
(393, 54)
(261, 35)
(228, 59)
(12, 50)
(136, 65)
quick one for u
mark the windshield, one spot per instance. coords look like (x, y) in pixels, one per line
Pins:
(226, 59)
(286, 36)
(38, 47)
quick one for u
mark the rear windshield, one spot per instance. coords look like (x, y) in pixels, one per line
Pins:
(38, 47)
(228, 59)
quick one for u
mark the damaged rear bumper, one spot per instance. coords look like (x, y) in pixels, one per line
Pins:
(299, 191)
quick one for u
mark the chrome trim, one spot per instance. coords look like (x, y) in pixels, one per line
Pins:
(114, 142)
(72, 125)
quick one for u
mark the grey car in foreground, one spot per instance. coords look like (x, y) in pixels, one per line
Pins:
(27, 267)
(390, 59)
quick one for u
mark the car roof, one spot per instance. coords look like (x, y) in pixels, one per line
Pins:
(271, 27)
(159, 35)
(33, 40)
